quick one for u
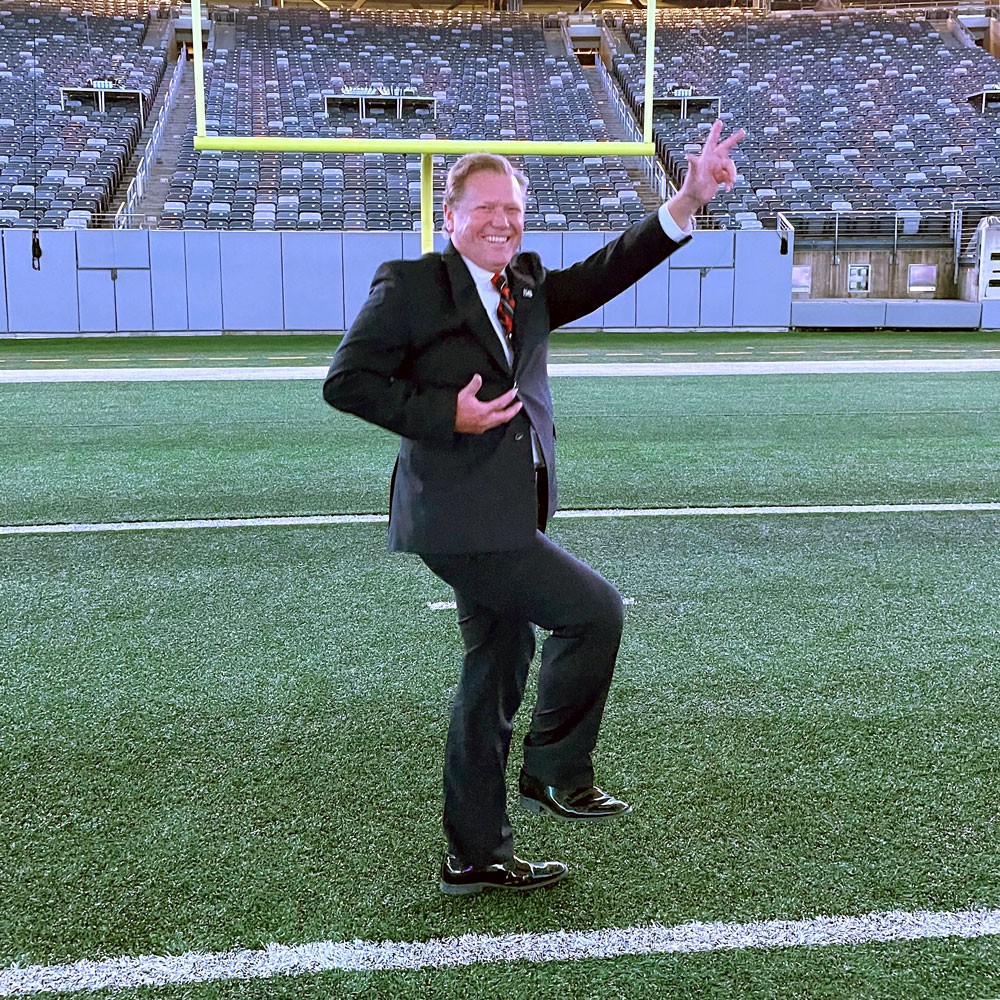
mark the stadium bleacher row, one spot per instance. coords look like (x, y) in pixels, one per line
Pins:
(59, 168)
(854, 111)
(492, 77)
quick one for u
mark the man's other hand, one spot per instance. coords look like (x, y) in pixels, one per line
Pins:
(472, 416)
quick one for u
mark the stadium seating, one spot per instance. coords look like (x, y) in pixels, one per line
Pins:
(492, 77)
(847, 111)
(59, 168)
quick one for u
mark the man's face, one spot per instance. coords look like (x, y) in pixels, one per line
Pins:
(487, 222)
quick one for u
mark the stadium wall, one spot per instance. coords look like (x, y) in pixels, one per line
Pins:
(889, 272)
(139, 282)
(101, 281)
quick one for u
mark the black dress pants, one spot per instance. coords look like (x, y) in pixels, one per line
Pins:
(500, 597)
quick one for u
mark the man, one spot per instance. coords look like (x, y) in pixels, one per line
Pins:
(449, 352)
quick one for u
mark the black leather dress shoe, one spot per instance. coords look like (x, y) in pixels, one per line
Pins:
(515, 874)
(586, 805)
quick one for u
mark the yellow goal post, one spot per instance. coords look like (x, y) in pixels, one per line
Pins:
(425, 148)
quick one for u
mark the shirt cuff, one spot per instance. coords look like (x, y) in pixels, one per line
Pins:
(670, 227)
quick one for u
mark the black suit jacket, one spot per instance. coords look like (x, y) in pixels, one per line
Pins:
(421, 336)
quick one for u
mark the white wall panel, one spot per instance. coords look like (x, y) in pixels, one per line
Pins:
(685, 298)
(46, 300)
(312, 276)
(3, 291)
(251, 281)
(363, 253)
(133, 301)
(203, 272)
(168, 280)
(577, 247)
(97, 301)
(716, 297)
(763, 290)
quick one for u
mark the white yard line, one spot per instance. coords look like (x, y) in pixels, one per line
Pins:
(452, 606)
(330, 519)
(475, 949)
(859, 508)
(280, 373)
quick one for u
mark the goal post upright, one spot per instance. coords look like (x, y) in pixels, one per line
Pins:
(426, 148)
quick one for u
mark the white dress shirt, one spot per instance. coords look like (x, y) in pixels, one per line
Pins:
(490, 297)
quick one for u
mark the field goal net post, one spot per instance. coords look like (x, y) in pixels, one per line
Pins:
(425, 148)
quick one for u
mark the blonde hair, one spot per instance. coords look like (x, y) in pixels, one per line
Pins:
(474, 163)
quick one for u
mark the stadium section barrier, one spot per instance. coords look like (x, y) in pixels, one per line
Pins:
(140, 281)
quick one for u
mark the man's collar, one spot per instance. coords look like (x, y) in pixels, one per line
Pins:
(479, 274)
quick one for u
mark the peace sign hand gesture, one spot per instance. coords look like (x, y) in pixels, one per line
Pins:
(706, 171)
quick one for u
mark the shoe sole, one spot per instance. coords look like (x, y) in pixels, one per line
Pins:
(474, 888)
(540, 809)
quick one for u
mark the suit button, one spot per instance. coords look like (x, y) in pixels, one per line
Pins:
(519, 437)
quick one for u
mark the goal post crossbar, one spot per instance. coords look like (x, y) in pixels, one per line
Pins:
(427, 149)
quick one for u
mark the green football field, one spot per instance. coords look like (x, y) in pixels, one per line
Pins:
(226, 738)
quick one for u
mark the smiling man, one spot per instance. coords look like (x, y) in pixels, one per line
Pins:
(449, 352)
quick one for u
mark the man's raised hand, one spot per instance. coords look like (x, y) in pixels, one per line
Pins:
(472, 416)
(706, 171)
(712, 166)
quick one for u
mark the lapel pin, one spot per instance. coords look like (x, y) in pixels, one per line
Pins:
(527, 293)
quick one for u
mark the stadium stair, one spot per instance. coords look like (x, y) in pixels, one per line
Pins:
(173, 144)
(156, 35)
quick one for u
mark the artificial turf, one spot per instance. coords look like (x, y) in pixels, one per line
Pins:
(135, 451)
(223, 738)
(317, 348)
(219, 739)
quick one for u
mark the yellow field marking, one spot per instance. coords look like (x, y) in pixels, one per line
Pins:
(227, 359)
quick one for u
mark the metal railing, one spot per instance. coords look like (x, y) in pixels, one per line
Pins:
(968, 216)
(137, 187)
(885, 228)
(903, 228)
(652, 169)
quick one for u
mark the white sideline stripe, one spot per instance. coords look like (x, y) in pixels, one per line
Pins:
(859, 508)
(475, 949)
(452, 606)
(569, 515)
(575, 370)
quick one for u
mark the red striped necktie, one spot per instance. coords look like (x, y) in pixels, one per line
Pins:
(505, 310)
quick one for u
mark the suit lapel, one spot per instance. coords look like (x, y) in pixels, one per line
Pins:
(469, 307)
(524, 273)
